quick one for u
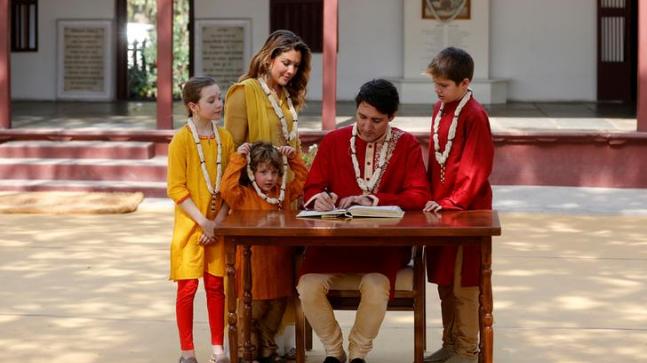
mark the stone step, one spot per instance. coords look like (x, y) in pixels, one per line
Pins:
(150, 189)
(78, 149)
(84, 169)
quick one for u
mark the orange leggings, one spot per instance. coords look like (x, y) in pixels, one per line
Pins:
(186, 289)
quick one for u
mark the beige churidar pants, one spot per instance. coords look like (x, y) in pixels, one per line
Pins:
(374, 289)
(460, 312)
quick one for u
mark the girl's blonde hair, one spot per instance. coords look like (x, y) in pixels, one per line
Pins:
(277, 43)
(192, 90)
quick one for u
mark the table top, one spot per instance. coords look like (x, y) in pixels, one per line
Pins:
(257, 223)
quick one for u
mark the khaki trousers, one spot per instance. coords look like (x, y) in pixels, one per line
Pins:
(460, 312)
(374, 289)
(266, 320)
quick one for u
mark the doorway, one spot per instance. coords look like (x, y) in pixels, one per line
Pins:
(617, 50)
(137, 48)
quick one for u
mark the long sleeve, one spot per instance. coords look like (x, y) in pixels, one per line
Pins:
(236, 115)
(318, 177)
(415, 188)
(295, 188)
(475, 165)
(176, 178)
(232, 192)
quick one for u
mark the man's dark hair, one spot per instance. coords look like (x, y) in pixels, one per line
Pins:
(380, 94)
(452, 63)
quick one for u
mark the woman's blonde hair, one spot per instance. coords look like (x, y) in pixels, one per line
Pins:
(277, 43)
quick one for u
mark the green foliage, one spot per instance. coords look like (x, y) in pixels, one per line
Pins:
(142, 83)
(309, 156)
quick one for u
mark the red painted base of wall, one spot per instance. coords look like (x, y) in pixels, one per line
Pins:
(615, 160)
(558, 159)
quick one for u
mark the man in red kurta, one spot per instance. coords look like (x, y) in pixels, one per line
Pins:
(368, 163)
(461, 154)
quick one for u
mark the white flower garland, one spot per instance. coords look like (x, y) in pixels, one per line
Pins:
(274, 201)
(292, 135)
(441, 157)
(368, 186)
(215, 189)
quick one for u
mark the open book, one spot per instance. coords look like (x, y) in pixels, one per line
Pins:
(382, 211)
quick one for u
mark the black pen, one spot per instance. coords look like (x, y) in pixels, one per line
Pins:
(329, 195)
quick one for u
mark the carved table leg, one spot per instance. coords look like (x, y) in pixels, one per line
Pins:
(247, 300)
(485, 298)
(230, 260)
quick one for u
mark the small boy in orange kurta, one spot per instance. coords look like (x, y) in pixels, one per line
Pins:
(255, 179)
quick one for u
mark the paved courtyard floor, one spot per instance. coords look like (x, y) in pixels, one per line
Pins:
(570, 285)
(513, 116)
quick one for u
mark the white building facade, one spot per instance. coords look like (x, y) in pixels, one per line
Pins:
(525, 50)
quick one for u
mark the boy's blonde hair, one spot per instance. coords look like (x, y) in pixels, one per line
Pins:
(452, 63)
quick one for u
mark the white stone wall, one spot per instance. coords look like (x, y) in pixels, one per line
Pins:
(257, 11)
(33, 74)
(546, 49)
(370, 44)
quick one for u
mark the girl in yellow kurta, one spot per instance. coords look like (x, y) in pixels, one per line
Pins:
(196, 161)
(263, 105)
(260, 189)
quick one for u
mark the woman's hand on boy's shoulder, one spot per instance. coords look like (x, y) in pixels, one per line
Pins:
(288, 151)
(244, 149)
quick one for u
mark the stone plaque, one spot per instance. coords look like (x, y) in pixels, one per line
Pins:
(84, 59)
(222, 50)
(83, 55)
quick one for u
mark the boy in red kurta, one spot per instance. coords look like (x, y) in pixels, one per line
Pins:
(368, 163)
(461, 153)
(263, 188)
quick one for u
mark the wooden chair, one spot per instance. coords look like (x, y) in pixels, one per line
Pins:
(409, 295)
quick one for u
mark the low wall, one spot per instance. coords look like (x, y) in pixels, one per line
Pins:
(590, 159)
(617, 160)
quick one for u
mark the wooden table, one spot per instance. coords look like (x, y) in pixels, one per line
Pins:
(247, 228)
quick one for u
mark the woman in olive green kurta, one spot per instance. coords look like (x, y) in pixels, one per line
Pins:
(274, 86)
(284, 65)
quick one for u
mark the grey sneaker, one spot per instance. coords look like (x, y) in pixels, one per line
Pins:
(441, 355)
(219, 358)
(188, 360)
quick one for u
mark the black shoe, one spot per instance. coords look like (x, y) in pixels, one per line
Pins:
(331, 360)
(358, 360)
(274, 358)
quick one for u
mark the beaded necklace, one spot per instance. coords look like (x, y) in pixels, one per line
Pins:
(215, 189)
(441, 157)
(368, 186)
(293, 135)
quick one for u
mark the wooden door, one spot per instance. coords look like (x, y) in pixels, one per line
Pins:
(617, 49)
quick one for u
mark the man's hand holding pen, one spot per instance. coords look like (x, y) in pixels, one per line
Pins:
(325, 201)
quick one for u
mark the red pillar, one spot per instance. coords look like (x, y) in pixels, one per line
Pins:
(328, 106)
(5, 69)
(642, 67)
(164, 64)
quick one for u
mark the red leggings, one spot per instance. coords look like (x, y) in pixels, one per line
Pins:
(214, 287)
